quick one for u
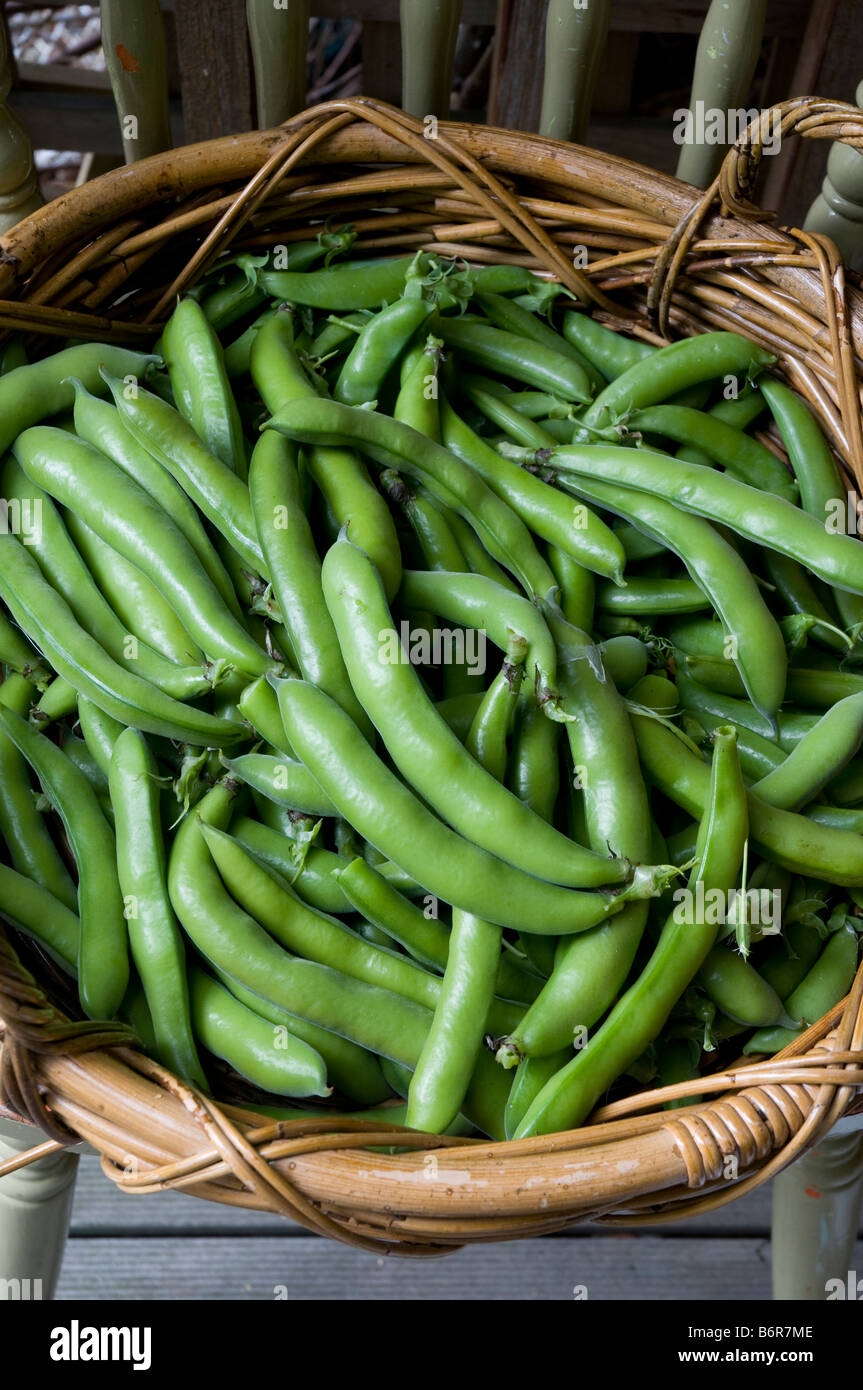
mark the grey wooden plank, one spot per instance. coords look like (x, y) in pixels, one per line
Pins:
(100, 1209)
(215, 68)
(624, 1269)
(79, 120)
(382, 61)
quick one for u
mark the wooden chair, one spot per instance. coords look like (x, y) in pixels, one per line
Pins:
(817, 1200)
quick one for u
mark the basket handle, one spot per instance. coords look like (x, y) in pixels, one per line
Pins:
(814, 118)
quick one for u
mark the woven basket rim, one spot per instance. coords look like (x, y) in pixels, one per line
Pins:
(70, 261)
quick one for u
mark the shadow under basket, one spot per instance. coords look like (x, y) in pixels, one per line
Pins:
(106, 262)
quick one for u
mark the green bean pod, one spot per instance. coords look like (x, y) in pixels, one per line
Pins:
(523, 359)
(489, 734)
(58, 701)
(825, 984)
(590, 970)
(672, 369)
(535, 770)
(33, 392)
(237, 944)
(687, 937)
(478, 602)
(239, 947)
(103, 965)
(283, 780)
(426, 751)
(311, 934)
(387, 814)
(100, 732)
(196, 366)
(577, 531)
(65, 568)
(154, 935)
(794, 842)
(649, 597)
(352, 1070)
(33, 910)
(611, 353)
(722, 443)
(363, 285)
(822, 493)
(135, 599)
(418, 401)
(508, 314)
(127, 518)
(440, 549)
(798, 593)
(825, 750)
(84, 665)
(446, 1064)
(530, 1078)
(760, 517)
(17, 653)
(455, 1037)
(714, 565)
(270, 1057)
(99, 423)
(379, 345)
(259, 706)
(22, 826)
(216, 491)
(791, 958)
(738, 989)
(395, 445)
(293, 563)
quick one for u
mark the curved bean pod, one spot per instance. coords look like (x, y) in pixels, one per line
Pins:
(277, 1062)
(127, 518)
(391, 818)
(103, 963)
(394, 445)
(216, 491)
(22, 826)
(424, 748)
(85, 666)
(154, 935)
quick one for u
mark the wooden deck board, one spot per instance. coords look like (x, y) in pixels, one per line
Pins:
(624, 1268)
(172, 1246)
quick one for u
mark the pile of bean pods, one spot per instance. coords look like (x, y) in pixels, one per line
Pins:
(419, 695)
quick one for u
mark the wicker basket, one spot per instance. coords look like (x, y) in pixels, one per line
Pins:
(106, 262)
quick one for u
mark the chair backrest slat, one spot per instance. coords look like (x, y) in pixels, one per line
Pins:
(725, 63)
(244, 62)
(133, 40)
(215, 69)
(279, 36)
(429, 33)
(574, 41)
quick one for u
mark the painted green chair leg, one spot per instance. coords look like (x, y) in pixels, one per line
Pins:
(279, 36)
(19, 187)
(133, 38)
(429, 29)
(838, 209)
(35, 1204)
(728, 51)
(816, 1209)
(575, 36)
